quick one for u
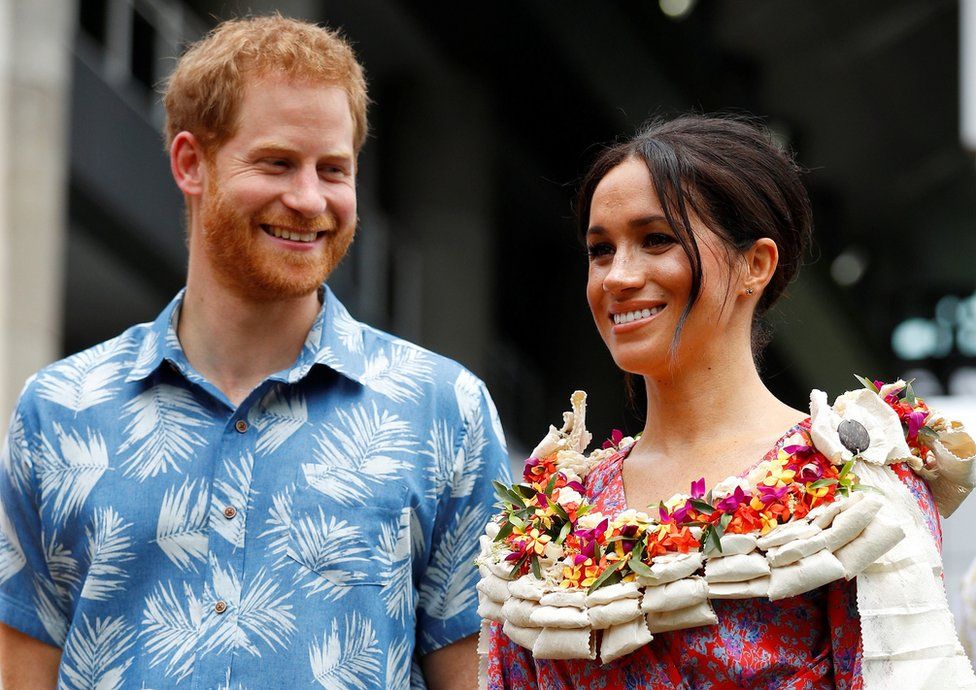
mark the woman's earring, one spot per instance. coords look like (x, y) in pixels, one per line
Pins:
(749, 291)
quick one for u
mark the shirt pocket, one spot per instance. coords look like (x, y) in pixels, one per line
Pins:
(345, 546)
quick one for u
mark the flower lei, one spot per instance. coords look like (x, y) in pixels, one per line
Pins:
(547, 527)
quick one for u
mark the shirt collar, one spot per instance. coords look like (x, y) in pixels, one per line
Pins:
(335, 340)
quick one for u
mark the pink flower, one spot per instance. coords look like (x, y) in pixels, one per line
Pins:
(800, 451)
(733, 500)
(810, 472)
(616, 436)
(768, 494)
(916, 420)
(698, 488)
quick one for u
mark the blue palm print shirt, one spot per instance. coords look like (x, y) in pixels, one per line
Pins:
(321, 533)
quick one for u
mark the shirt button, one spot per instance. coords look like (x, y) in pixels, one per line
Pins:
(241, 426)
(220, 606)
(230, 512)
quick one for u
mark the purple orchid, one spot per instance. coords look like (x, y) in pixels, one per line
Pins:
(698, 488)
(810, 472)
(768, 494)
(681, 514)
(529, 464)
(803, 451)
(616, 436)
(733, 500)
(916, 420)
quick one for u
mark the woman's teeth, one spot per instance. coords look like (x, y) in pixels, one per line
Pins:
(286, 234)
(629, 316)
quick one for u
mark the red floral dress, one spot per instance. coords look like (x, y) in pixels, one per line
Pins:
(807, 642)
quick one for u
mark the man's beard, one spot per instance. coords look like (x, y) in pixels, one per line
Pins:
(257, 270)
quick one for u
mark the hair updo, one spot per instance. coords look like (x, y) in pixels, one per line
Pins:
(727, 171)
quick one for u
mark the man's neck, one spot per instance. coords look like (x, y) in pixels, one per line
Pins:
(236, 343)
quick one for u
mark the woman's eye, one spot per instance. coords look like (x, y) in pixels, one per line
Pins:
(595, 251)
(658, 240)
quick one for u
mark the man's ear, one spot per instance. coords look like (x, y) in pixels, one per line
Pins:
(187, 162)
(761, 260)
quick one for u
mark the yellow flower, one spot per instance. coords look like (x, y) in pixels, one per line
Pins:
(777, 475)
(537, 542)
(580, 576)
(768, 522)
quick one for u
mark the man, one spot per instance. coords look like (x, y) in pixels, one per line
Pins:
(255, 490)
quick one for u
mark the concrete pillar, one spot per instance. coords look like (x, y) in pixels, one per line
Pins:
(444, 171)
(35, 45)
(6, 53)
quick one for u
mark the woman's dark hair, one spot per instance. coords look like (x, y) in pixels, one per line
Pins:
(728, 171)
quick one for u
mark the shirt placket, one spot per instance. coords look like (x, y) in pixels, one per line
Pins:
(226, 583)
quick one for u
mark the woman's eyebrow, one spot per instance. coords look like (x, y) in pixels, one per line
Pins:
(647, 220)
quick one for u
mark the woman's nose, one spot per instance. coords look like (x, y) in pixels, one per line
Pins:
(625, 273)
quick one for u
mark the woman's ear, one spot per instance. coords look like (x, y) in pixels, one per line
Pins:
(761, 260)
(187, 162)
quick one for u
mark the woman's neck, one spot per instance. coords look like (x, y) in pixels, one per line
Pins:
(720, 397)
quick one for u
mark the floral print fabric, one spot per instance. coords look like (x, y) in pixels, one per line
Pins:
(803, 643)
(321, 533)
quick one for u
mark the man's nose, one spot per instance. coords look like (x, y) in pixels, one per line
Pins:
(305, 194)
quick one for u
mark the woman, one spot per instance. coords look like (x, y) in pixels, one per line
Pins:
(694, 228)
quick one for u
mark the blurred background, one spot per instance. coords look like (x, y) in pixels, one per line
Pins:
(482, 123)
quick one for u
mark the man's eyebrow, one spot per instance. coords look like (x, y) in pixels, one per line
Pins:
(282, 148)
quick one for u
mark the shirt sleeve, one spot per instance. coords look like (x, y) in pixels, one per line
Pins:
(448, 603)
(30, 600)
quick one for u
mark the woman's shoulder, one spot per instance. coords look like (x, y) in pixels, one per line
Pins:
(888, 424)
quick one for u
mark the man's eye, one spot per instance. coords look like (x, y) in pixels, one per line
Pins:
(333, 171)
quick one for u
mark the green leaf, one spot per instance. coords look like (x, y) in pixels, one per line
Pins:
(515, 499)
(505, 530)
(525, 490)
(558, 510)
(701, 506)
(564, 532)
(536, 570)
(867, 383)
(501, 490)
(928, 435)
(822, 483)
(846, 468)
(515, 568)
(908, 394)
(552, 483)
(713, 538)
(724, 521)
(638, 550)
(606, 575)
(507, 495)
(865, 487)
(638, 567)
(597, 552)
(517, 521)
